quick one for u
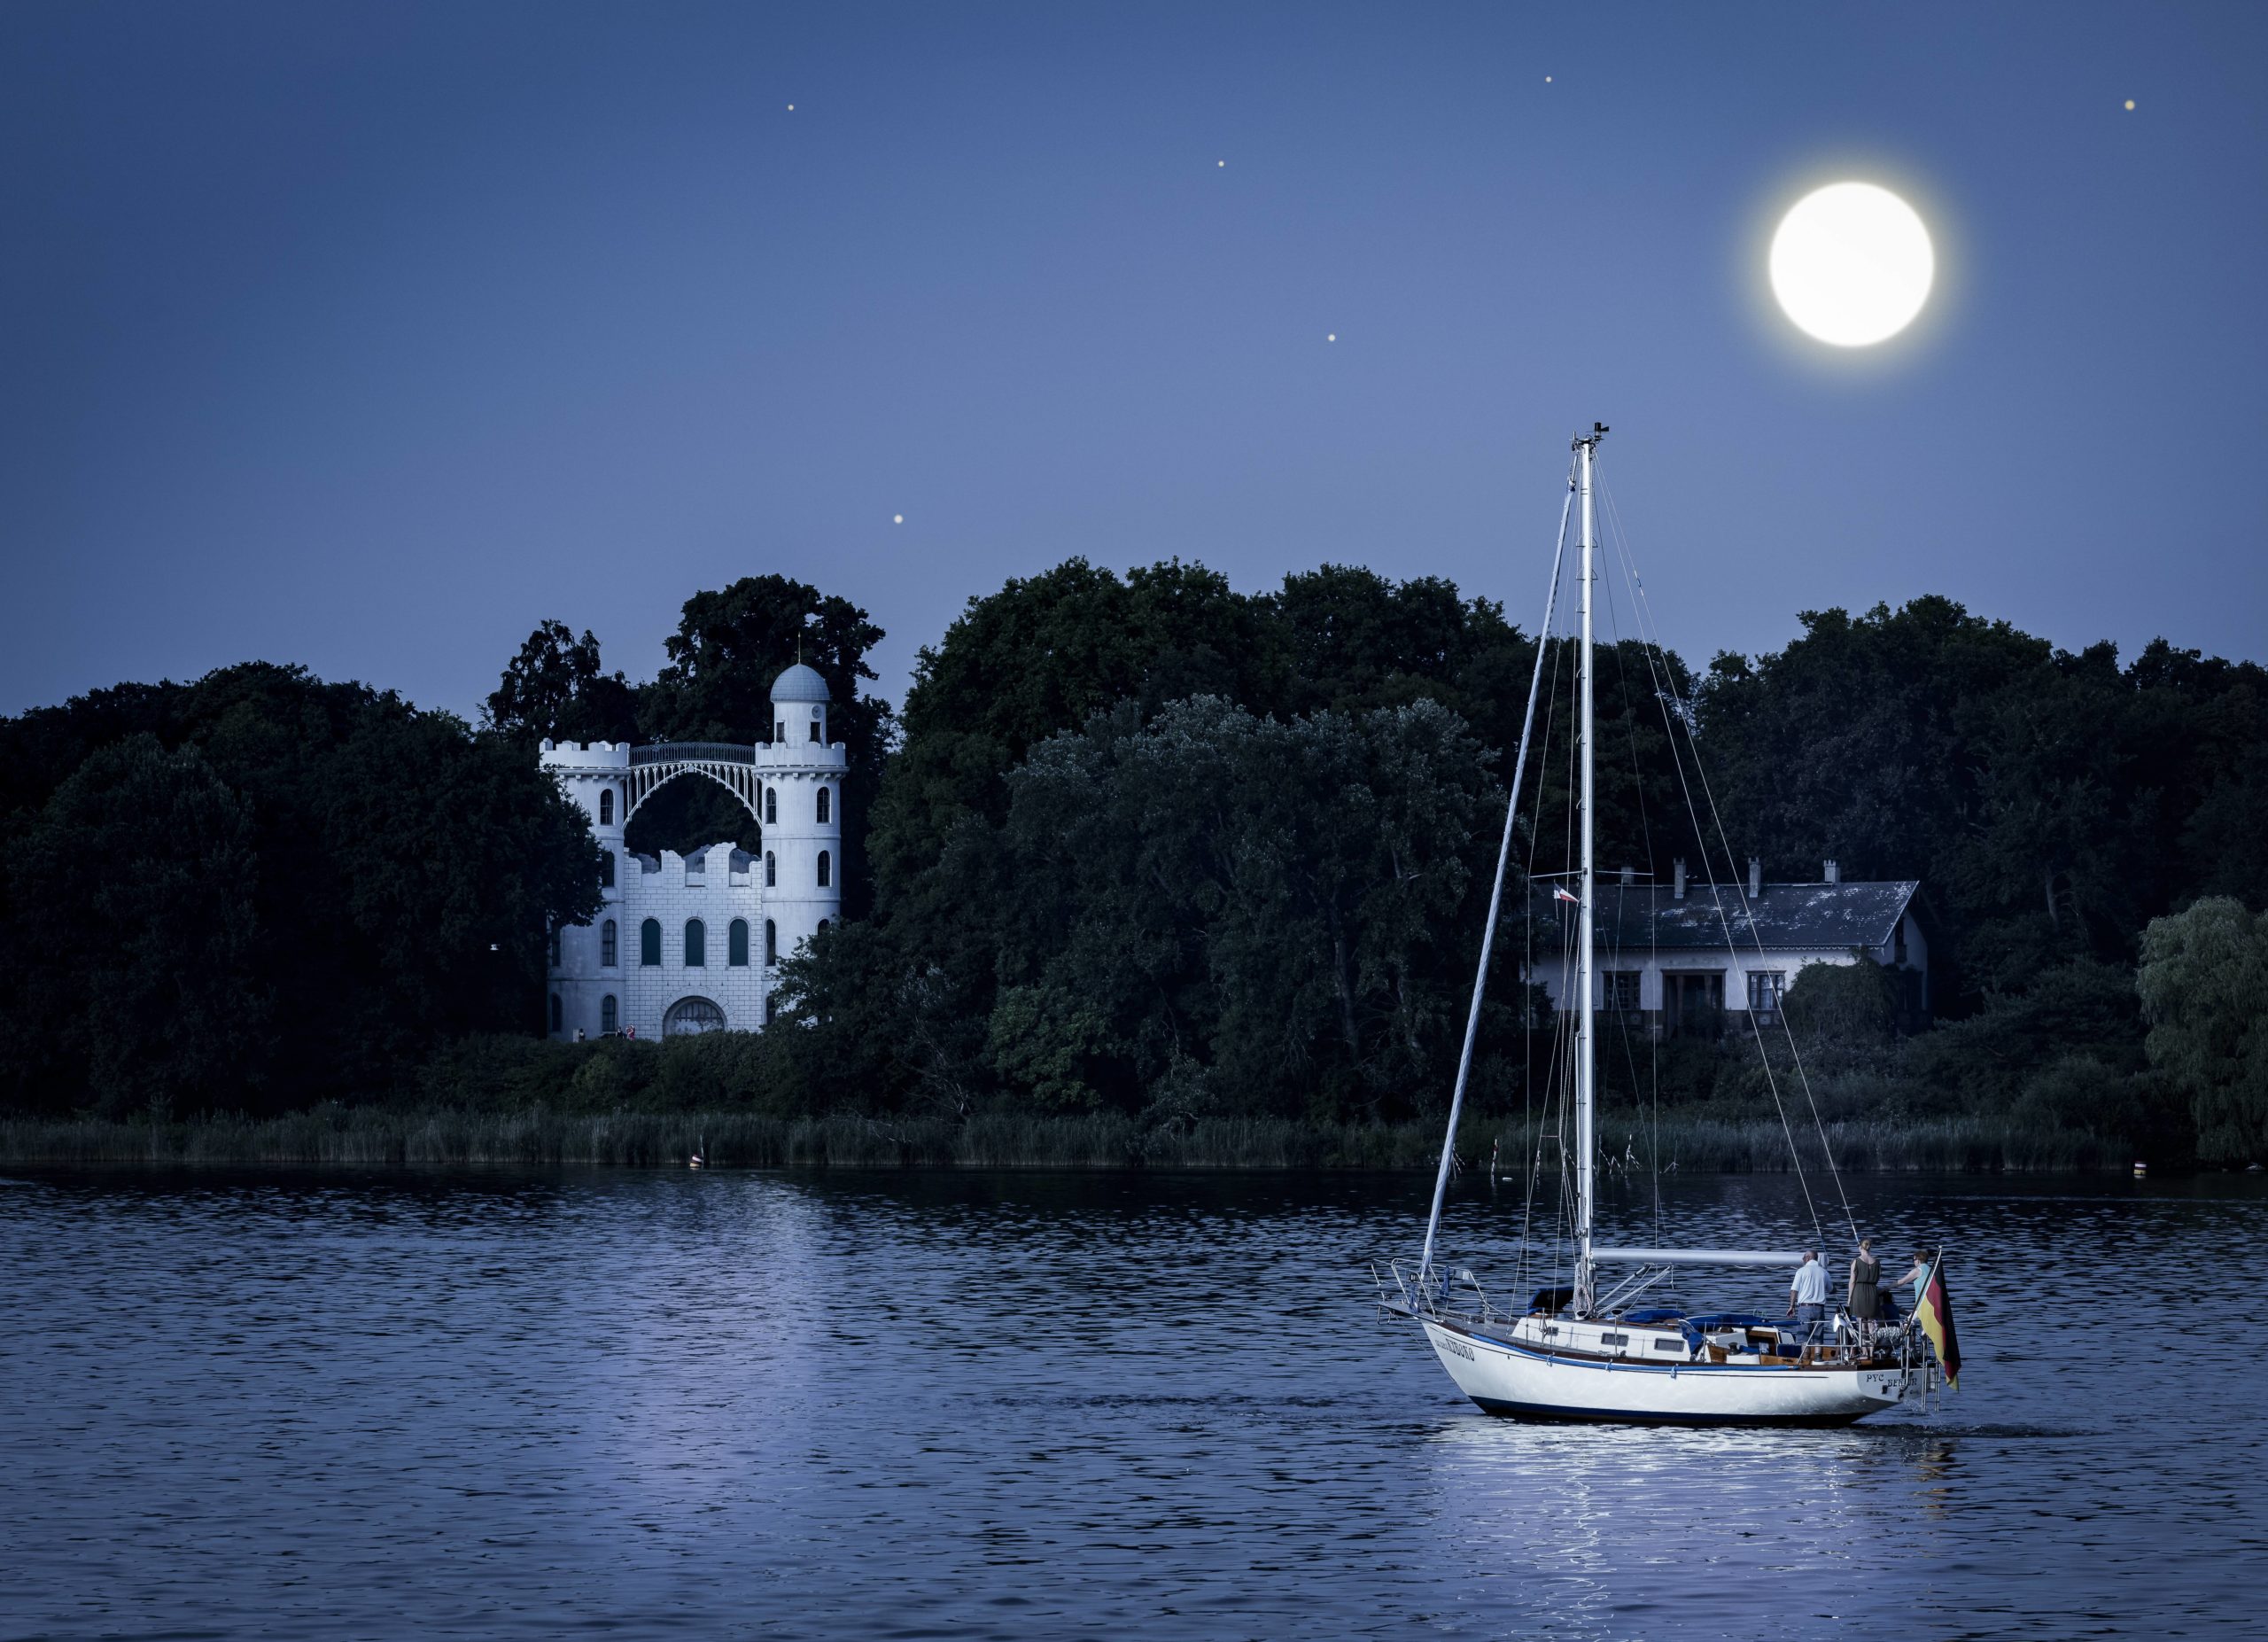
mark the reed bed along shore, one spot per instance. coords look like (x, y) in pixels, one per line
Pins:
(377, 1137)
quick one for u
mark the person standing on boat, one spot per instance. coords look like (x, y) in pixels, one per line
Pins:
(1807, 1296)
(1864, 1300)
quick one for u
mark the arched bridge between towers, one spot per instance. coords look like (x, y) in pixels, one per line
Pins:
(731, 764)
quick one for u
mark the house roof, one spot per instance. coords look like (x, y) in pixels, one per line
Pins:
(1638, 917)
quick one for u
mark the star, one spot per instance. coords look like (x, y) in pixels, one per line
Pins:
(791, 108)
(1547, 79)
(2130, 104)
(897, 518)
(1333, 337)
(1224, 162)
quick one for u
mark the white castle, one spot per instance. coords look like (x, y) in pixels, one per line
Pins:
(693, 943)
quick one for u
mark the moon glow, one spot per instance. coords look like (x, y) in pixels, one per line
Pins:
(1852, 264)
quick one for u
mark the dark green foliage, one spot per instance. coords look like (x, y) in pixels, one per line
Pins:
(554, 688)
(135, 938)
(1159, 864)
(1838, 1011)
(2204, 991)
(337, 879)
(1040, 658)
(2051, 802)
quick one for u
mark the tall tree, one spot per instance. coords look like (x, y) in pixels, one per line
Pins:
(2204, 987)
(136, 940)
(729, 648)
(556, 688)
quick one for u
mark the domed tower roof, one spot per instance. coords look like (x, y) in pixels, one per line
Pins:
(800, 683)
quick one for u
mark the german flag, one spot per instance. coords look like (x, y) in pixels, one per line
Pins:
(1934, 1312)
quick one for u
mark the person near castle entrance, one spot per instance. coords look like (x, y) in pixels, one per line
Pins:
(1807, 1296)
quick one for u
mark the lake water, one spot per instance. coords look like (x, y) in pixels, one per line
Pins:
(1046, 1405)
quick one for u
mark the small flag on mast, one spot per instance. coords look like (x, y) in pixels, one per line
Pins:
(1564, 894)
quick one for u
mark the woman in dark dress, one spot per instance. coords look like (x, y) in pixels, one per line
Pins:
(1864, 1304)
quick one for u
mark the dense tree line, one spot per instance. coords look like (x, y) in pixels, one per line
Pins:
(1147, 843)
(260, 890)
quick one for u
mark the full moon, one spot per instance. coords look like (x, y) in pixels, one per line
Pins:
(1852, 264)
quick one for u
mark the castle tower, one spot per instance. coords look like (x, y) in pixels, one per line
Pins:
(585, 966)
(800, 772)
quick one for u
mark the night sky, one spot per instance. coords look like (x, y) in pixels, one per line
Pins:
(366, 336)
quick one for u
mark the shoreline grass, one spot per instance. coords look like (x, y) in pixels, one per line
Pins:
(383, 1137)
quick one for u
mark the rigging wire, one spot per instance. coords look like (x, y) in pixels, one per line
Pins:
(1495, 901)
(1684, 716)
(1653, 931)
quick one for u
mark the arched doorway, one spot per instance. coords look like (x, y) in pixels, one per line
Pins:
(688, 1015)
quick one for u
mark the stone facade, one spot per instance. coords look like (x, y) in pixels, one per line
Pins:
(659, 958)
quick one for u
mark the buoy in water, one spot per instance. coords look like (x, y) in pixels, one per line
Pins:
(2141, 1170)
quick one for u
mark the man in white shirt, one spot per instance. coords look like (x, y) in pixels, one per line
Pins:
(1807, 1297)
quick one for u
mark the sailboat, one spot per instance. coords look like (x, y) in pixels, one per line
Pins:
(1588, 1350)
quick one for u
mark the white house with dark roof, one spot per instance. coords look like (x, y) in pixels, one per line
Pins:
(692, 943)
(1692, 958)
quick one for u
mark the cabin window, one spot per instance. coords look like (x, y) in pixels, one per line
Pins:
(1614, 1339)
(1764, 989)
(771, 870)
(606, 806)
(825, 869)
(736, 944)
(771, 942)
(609, 1015)
(649, 943)
(1669, 1345)
(772, 807)
(697, 944)
(825, 806)
(606, 944)
(1621, 989)
(558, 1013)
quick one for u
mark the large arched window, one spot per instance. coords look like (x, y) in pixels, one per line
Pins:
(825, 806)
(558, 1013)
(823, 927)
(826, 869)
(771, 870)
(606, 871)
(771, 942)
(772, 807)
(606, 807)
(609, 1015)
(736, 944)
(606, 944)
(649, 943)
(697, 944)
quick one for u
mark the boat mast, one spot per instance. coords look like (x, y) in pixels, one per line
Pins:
(1586, 1049)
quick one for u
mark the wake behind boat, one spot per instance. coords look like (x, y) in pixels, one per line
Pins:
(1575, 1351)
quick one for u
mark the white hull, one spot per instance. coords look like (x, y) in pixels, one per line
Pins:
(1530, 1383)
